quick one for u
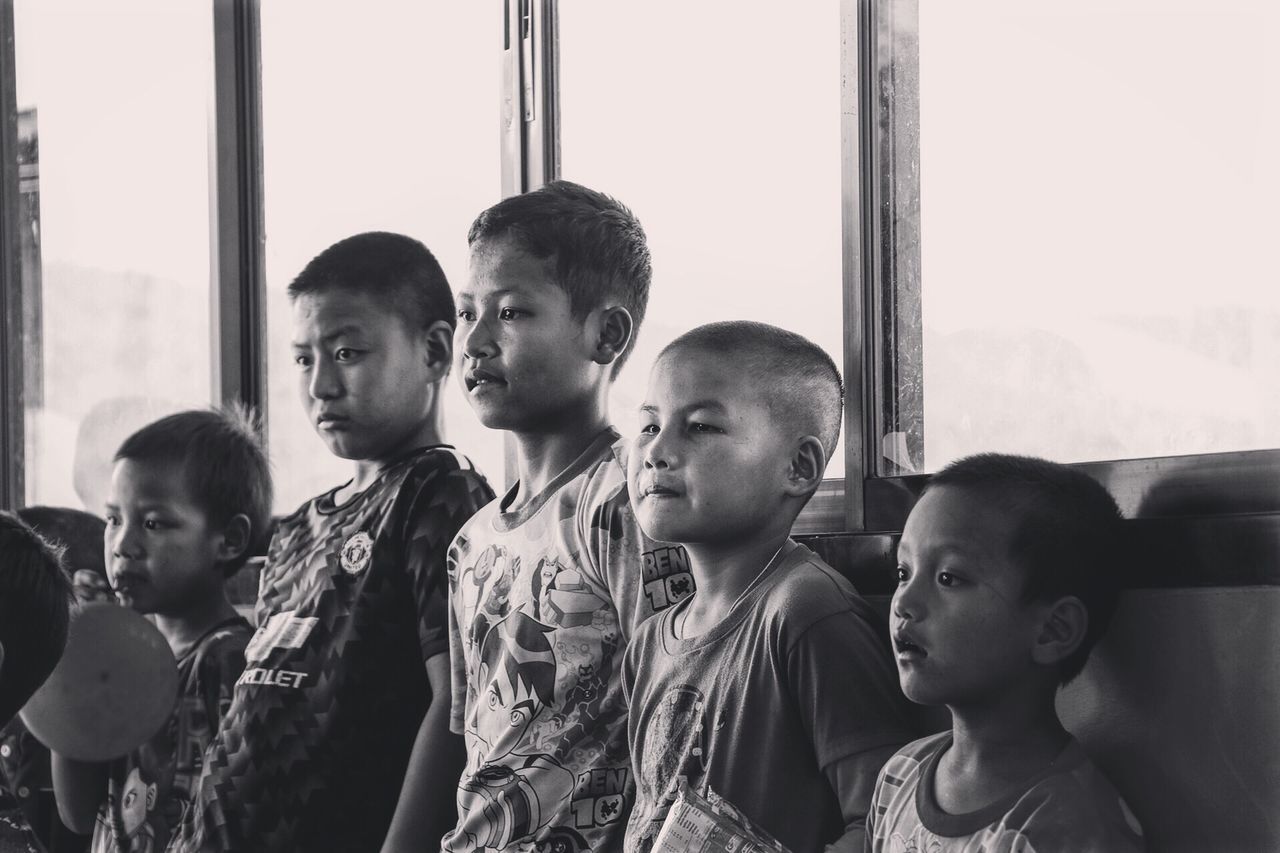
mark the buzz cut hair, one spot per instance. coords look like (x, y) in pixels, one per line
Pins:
(35, 605)
(398, 272)
(595, 246)
(222, 460)
(797, 378)
(1066, 538)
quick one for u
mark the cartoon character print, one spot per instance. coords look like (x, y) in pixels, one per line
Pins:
(516, 675)
(131, 832)
(674, 758)
(587, 694)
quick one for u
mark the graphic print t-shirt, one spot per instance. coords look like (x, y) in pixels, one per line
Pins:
(149, 790)
(312, 753)
(756, 710)
(1070, 808)
(543, 602)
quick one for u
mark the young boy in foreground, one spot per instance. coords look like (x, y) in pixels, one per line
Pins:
(35, 599)
(337, 737)
(190, 498)
(548, 584)
(1008, 572)
(772, 686)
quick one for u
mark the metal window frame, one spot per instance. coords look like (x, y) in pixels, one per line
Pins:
(238, 233)
(12, 403)
(1188, 486)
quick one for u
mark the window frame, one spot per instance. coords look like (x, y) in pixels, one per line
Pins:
(1201, 485)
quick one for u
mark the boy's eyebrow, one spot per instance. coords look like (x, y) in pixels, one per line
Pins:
(348, 329)
(713, 405)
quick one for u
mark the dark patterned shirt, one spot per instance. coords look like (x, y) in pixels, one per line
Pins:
(312, 754)
(149, 789)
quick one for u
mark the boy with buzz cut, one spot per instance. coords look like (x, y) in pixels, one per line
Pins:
(189, 502)
(1008, 572)
(337, 736)
(35, 601)
(549, 583)
(770, 688)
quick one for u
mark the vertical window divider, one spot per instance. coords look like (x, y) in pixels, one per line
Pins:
(238, 240)
(12, 408)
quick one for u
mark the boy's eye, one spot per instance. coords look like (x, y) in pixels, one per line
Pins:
(947, 579)
(649, 429)
(344, 354)
(467, 315)
(901, 574)
(509, 313)
(704, 428)
(302, 360)
(112, 520)
(152, 524)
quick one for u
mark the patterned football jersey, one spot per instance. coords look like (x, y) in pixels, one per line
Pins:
(543, 602)
(312, 753)
(149, 789)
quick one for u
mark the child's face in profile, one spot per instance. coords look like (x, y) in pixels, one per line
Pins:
(961, 631)
(524, 361)
(365, 379)
(160, 549)
(710, 463)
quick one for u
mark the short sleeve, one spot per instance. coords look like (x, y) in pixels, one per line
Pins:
(457, 652)
(643, 576)
(846, 687)
(437, 499)
(219, 667)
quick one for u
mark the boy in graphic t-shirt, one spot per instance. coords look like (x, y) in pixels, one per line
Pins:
(549, 582)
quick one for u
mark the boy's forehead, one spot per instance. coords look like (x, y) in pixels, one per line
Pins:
(335, 310)
(159, 480)
(502, 265)
(962, 520)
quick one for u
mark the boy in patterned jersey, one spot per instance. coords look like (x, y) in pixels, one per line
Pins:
(35, 599)
(189, 501)
(548, 583)
(1008, 572)
(771, 687)
(337, 737)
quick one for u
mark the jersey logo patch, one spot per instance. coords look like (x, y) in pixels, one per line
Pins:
(356, 553)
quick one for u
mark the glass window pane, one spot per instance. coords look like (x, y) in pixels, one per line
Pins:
(115, 242)
(1096, 213)
(718, 123)
(381, 118)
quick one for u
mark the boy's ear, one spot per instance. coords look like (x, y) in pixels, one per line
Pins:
(437, 340)
(808, 463)
(1065, 623)
(235, 538)
(616, 328)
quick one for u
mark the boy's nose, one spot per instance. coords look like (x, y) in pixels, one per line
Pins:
(324, 384)
(657, 453)
(123, 542)
(905, 603)
(477, 342)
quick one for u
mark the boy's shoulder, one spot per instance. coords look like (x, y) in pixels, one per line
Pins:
(808, 590)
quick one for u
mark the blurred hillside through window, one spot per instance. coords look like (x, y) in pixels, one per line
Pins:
(1099, 195)
(115, 238)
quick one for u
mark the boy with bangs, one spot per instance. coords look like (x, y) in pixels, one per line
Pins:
(35, 601)
(1008, 572)
(549, 582)
(771, 687)
(337, 736)
(189, 501)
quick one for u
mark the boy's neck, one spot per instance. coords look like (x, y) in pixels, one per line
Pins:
(722, 572)
(429, 434)
(542, 456)
(183, 630)
(998, 748)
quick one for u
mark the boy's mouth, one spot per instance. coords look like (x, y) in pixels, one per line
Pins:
(481, 379)
(654, 490)
(906, 649)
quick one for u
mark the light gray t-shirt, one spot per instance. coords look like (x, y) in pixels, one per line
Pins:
(796, 677)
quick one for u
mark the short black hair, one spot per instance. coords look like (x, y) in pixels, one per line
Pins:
(35, 602)
(398, 271)
(598, 248)
(225, 467)
(1067, 534)
(76, 532)
(800, 379)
